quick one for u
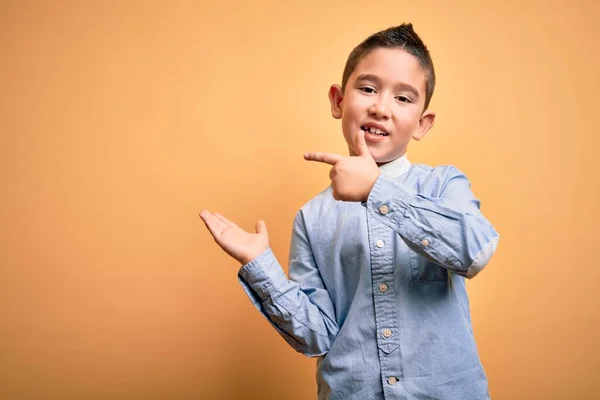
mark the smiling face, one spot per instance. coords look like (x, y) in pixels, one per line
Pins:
(384, 97)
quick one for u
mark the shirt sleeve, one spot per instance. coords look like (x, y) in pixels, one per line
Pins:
(448, 229)
(300, 308)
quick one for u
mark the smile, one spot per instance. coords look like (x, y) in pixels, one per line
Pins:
(374, 131)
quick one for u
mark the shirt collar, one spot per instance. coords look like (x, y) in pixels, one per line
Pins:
(397, 167)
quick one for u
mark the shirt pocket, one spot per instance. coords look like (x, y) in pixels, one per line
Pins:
(424, 270)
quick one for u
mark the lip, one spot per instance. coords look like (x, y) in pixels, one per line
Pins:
(374, 139)
(375, 125)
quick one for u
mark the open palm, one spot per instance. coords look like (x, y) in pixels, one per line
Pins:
(239, 244)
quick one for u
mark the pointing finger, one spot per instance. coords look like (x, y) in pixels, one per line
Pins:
(327, 158)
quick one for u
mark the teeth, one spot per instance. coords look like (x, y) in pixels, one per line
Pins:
(375, 131)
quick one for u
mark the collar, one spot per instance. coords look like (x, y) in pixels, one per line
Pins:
(397, 167)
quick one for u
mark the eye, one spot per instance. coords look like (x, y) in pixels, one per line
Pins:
(367, 89)
(403, 99)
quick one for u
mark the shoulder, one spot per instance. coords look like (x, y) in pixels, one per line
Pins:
(439, 171)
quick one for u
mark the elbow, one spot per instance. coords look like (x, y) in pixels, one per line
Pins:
(315, 348)
(482, 258)
(310, 342)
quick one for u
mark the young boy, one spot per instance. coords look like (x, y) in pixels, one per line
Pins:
(378, 261)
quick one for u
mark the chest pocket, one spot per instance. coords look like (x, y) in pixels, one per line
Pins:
(424, 270)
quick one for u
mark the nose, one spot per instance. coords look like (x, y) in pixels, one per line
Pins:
(380, 107)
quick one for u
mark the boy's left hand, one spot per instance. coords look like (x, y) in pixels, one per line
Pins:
(353, 177)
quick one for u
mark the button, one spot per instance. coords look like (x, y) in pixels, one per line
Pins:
(425, 242)
(383, 288)
(379, 243)
(387, 333)
(384, 209)
(392, 380)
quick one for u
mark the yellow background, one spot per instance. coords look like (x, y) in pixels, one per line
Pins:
(120, 121)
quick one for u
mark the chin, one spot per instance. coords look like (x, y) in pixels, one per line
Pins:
(382, 159)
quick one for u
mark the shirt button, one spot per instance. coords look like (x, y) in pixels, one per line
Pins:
(392, 380)
(383, 288)
(425, 242)
(387, 333)
(384, 209)
(379, 243)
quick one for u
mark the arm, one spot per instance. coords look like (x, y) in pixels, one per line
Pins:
(300, 309)
(449, 229)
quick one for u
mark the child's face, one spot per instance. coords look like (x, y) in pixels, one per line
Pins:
(385, 97)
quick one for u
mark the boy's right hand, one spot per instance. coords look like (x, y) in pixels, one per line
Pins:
(239, 244)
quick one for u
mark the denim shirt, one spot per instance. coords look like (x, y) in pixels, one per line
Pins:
(376, 290)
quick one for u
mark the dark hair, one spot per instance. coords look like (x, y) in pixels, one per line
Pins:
(402, 36)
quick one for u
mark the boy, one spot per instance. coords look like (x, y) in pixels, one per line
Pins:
(378, 260)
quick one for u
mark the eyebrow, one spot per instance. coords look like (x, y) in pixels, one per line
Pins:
(376, 79)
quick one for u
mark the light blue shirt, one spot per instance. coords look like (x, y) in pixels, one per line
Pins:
(376, 290)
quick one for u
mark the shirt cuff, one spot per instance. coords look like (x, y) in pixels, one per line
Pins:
(263, 275)
(389, 200)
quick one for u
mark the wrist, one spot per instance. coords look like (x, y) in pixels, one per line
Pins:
(247, 258)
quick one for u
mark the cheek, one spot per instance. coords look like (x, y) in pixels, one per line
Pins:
(348, 123)
(346, 130)
(407, 122)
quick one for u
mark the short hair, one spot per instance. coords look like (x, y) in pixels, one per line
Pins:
(402, 36)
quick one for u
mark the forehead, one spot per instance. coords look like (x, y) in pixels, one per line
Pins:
(392, 66)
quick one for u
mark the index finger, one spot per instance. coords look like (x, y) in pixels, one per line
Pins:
(327, 158)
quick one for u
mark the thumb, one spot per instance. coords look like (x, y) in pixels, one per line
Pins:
(361, 145)
(261, 228)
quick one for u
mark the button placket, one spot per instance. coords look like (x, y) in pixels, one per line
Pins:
(382, 273)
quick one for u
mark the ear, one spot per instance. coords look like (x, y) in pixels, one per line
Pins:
(335, 99)
(425, 124)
